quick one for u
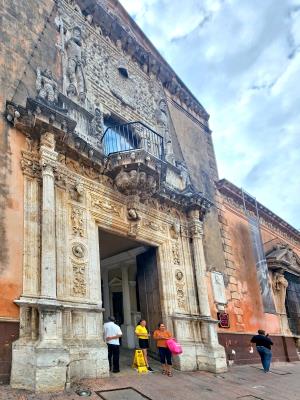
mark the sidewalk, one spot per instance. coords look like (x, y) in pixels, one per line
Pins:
(240, 382)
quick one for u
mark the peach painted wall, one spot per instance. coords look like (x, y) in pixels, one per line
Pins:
(245, 304)
(11, 263)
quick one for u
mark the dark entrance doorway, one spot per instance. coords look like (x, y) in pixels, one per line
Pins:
(148, 288)
(117, 299)
(130, 286)
(292, 302)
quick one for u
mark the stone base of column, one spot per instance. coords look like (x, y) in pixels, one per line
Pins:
(39, 368)
(87, 361)
(211, 358)
(128, 337)
(187, 361)
(284, 324)
(201, 357)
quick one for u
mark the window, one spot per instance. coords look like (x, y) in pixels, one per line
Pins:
(118, 137)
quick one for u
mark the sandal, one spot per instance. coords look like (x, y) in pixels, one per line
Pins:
(170, 373)
(164, 372)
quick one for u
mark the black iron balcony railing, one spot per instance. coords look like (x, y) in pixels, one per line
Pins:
(131, 136)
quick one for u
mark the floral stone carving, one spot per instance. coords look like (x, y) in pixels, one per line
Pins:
(79, 280)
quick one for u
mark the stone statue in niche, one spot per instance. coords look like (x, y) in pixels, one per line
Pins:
(280, 285)
(76, 64)
(46, 86)
(163, 123)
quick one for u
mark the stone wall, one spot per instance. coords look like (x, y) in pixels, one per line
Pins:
(196, 147)
(58, 190)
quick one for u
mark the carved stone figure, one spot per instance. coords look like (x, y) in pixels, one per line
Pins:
(175, 230)
(280, 285)
(163, 122)
(133, 214)
(46, 86)
(97, 124)
(76, 63)
(77, 192)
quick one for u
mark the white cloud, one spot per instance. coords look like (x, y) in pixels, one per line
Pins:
(242, 60)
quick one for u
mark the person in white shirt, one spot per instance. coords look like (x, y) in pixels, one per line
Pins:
(112, 334)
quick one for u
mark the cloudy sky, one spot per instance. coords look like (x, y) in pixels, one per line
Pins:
(241, 58)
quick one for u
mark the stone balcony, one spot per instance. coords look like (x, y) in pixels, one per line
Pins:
(135, 155)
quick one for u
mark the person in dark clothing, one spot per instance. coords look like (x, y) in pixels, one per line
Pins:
(263, 347)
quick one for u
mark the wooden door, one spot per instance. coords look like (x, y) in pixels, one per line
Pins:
(149, 297)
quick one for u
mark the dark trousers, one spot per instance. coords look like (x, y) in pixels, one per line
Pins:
(265, 356)
(165, 355)
(113, 357)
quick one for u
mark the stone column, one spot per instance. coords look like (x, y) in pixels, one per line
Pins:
(40, 362)
(106, 296)
(48, 251)
(126, 296)
(128, 329)
(210, 355)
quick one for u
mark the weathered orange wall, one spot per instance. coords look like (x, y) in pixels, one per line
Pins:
(246, 310)
(27, 29)
(11, 266)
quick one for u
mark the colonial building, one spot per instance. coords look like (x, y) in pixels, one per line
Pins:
(262, 276)
(109, 204)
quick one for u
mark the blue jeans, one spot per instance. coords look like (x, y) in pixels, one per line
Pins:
(266, 357)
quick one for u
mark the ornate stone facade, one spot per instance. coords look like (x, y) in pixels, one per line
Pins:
(99, 84)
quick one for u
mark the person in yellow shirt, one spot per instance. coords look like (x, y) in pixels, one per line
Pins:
(143, 336)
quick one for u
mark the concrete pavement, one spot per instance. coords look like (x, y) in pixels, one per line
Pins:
(240, 382)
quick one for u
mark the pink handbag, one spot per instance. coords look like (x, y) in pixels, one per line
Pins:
(173, 346)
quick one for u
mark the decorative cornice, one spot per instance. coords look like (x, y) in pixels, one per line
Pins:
(187, 199)
(267, 217)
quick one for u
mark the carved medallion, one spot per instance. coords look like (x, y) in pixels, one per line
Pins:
(178, 274)
(79, 250)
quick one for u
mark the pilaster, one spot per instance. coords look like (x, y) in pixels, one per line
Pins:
(48, 251)
(210, 354)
